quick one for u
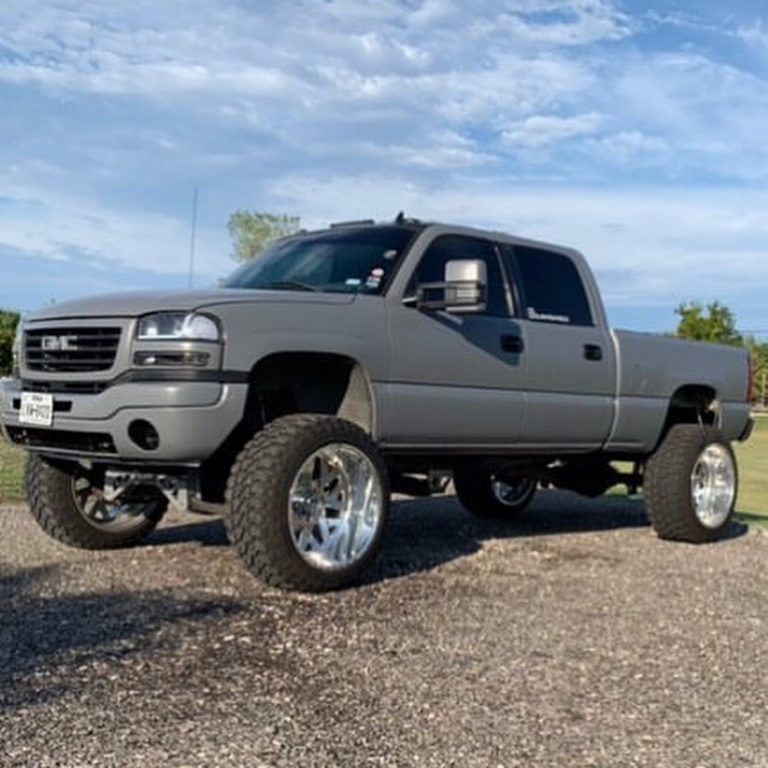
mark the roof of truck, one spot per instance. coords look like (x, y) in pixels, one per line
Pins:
(420, 225)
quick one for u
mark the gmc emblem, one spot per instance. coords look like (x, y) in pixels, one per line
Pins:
(59, 343)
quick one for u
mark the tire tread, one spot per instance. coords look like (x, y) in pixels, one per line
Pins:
(256, 496)
(667, 489)
(48, 492)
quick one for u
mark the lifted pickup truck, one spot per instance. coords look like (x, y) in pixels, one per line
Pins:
(348, 363)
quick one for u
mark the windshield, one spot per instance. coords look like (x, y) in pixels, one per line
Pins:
(357, 260)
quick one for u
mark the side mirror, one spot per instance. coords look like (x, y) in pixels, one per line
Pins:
(464, 289)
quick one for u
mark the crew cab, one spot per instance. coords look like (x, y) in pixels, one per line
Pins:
(344, 364)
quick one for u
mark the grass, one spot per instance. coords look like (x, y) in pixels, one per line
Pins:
(752, 456)
(753, 475)
(11, 472)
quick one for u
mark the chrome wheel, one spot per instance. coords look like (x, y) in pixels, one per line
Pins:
(713, 486)
(335, 506)
(511, 494)
(117, 516)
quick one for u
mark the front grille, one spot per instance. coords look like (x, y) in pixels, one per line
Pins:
(62, 440)
(71, 350)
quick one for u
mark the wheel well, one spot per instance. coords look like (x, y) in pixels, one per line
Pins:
(292, 382)
(691, 404)
(310, 382)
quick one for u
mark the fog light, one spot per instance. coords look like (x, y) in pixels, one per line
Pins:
(143, 434)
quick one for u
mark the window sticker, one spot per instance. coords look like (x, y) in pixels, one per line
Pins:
(374, 278)
(544, 316)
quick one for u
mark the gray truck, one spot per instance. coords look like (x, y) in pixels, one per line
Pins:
(346, 364)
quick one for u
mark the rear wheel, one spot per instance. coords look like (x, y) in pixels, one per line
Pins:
(485, 495)
(308, 499)
(70, 506)
(691, 484)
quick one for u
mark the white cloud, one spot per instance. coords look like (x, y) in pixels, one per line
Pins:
(431, 12)
(435, 64)
(689, 93)
(444, 150)
(576, 24)
(754, 35)
(289, 49)
(632, 148)
(486, 112)
(512, 69)
(540, 130)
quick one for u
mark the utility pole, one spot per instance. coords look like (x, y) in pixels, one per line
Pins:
(192, 240)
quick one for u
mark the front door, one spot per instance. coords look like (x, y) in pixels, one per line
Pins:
(457, 379)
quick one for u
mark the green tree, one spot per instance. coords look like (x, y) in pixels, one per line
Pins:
(714, 323)
(759, 353)
(8, 322)
(253, 231)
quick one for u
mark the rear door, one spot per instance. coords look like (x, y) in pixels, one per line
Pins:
(570, 362)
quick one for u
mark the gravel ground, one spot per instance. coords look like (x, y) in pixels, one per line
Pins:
(576, 639)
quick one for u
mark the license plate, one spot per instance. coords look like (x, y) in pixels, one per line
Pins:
(36, 408)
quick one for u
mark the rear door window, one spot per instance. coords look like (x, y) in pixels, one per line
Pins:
(551, 287)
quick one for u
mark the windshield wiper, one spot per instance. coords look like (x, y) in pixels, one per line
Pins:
(289, 285)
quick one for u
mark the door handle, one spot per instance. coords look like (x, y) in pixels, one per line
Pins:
(593, 352)
(512, 343)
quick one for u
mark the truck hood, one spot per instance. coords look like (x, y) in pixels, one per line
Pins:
(140, 303)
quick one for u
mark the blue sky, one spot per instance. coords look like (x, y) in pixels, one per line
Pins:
(635, 132)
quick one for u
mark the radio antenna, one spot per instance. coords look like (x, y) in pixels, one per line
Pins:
(192, 236)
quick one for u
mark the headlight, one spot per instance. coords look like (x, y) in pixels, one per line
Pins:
(178, 325)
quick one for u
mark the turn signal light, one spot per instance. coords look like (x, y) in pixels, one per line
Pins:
(172, 359)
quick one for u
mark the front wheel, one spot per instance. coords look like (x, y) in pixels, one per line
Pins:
(308, 501)
(485, 495)
(690, 484)
(69, 505)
